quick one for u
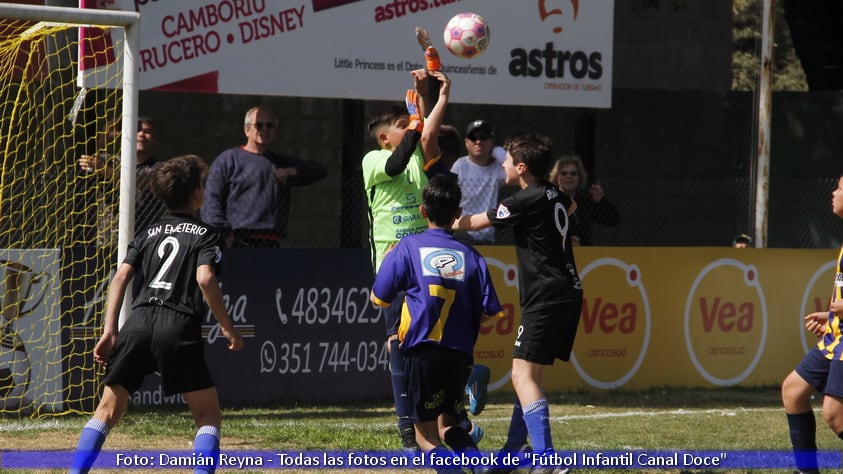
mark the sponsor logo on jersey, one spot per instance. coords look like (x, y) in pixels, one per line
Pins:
(442, 262)
(503, 212)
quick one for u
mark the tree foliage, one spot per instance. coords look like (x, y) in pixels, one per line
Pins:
(788, 74)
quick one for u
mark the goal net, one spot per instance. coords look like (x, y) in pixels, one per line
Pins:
(59, 222)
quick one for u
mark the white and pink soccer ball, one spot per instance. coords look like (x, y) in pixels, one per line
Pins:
(466, 35)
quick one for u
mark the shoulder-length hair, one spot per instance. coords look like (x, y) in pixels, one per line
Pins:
(565, 160)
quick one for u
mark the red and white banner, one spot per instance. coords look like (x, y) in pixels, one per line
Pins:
(541, 52)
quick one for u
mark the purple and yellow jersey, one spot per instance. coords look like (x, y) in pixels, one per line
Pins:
(448, 289)
(830, 345)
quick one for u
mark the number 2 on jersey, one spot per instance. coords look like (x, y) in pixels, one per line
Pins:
(167, 251)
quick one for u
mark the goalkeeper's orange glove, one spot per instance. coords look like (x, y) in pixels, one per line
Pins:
(431, 59)
(412, 102)
(431, 56)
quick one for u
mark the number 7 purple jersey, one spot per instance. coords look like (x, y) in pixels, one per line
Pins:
(448, 289)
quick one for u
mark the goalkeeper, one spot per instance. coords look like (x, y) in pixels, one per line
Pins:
(393, 178)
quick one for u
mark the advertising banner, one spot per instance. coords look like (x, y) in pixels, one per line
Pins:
(678, 317)
(542, 52)
(310, 332)
(651, 317)
(30, 358)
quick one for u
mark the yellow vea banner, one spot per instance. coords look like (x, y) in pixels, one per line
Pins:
(673, 316)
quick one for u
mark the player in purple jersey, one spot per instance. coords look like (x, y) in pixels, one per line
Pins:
(177, 257)
(448, 293)
(820, 371)
(549, 286)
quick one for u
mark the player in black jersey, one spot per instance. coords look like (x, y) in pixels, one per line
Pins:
(549, 286)
(177, 258)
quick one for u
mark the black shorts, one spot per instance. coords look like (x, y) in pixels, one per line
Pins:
(548, 333)
(814, 369)
(158, 339)
(436, 379)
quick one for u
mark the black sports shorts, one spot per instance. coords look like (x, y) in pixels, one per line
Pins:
(158, 339)
(814, 369)
(436, 379)
(548, 333)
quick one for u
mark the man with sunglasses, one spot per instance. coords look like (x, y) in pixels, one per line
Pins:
(480, 176)
(247, 196)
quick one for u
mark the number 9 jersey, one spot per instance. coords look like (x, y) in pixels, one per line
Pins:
(171, 250)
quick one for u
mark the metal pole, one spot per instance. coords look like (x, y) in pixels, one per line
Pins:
(128, 154)
(74, 16)
(765, 106)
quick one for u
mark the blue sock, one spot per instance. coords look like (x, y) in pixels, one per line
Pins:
(90, 443)
(207, 443)
(517, 435)
(803, 437)
(537, 419)
(406, 429)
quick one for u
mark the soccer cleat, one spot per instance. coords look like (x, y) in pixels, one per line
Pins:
(550, 470)
(522, 452)
(431, 55)
(408, 439)
(411, 100)
(477, 388)
(476, 433)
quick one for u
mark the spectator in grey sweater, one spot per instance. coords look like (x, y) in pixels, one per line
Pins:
(247, 196)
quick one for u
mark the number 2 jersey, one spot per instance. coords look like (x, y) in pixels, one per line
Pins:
(448, 289)
(165, 257)
(538, 217)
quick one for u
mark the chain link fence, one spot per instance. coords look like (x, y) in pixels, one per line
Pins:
(661, 211)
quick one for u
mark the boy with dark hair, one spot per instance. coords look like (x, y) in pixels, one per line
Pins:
(393, 177)
(449, 292)
(177, 257)
(549, 286)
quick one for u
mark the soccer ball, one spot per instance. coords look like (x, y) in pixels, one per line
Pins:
(466, 35)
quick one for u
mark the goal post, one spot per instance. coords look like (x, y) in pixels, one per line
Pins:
(53, 271)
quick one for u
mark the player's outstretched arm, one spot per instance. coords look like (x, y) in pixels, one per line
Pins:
(472, 222)
(430, 134)
(816, 323)
(210, 287)
(114, 303)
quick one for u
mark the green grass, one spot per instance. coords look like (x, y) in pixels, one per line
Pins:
(689, 420)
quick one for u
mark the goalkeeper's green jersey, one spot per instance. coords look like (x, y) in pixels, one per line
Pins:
(393, 201)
